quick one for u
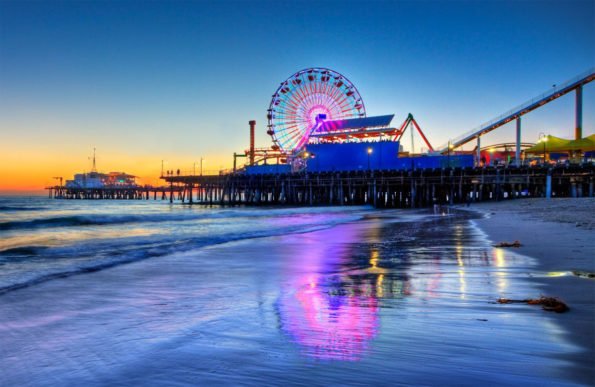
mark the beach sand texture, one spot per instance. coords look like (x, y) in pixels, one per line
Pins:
(559, 234)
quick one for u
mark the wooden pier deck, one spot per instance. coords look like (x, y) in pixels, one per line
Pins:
(382, 189)
(386, 189)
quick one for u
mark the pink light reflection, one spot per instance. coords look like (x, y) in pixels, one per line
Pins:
(329, 314)
(328, 326)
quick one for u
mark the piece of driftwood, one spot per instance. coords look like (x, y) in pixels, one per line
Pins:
(508, 244)
(550, 304)
(584, 274)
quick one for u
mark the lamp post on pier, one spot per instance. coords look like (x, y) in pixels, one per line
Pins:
(201, 160)
(369, 153)
(543, 138)
(491, 152)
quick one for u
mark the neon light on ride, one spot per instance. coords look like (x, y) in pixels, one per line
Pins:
(305, 96)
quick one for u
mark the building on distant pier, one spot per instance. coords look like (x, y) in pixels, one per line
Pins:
(102, 180)
(96, 179)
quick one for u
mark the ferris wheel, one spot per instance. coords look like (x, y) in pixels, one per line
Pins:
(304, 96)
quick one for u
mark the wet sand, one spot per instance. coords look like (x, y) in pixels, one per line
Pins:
(401, 298)
(560, 235)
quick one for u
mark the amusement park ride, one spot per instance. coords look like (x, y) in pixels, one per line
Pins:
(319, 106)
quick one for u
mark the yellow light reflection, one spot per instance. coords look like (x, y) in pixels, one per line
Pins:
(379, 290)
(374, 259)
(459, 254)
(500, 262)
(499, 258)
(558, 273)
(461, 271)
(462, 283)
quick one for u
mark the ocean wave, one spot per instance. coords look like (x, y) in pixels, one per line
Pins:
(92, 257)
(20, 208)
(62, 274)
(107, 219)
(64, 221)
(23, 250)
(91, 220)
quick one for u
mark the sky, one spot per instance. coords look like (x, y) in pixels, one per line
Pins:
(178, 81)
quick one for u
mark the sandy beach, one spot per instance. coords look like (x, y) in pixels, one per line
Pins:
(316, 296)
(559, 234)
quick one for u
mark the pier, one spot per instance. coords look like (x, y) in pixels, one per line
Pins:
(135, 193)
(386, 189)
(381, 189)
(329, 149)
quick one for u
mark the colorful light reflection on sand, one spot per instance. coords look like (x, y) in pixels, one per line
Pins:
(328, 324)
(328, 312)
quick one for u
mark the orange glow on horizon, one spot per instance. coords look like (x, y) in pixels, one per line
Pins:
(29, 171)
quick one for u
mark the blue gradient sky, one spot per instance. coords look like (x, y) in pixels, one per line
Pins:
(145, 81)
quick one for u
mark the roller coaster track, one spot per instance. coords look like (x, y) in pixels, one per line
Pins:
(513, 114)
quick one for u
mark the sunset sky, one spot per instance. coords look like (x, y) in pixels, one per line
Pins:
(176, 81)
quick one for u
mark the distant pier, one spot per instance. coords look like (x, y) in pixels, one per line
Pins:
(129, 193)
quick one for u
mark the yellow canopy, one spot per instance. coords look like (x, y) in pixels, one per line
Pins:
(557, 144)
(551, 144)
(584, 144)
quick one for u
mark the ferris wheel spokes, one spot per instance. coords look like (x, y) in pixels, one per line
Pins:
(301, 98)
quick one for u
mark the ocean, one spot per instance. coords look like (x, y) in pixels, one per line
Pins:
(149, 293)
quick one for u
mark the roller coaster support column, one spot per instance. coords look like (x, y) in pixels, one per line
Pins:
(578, 130)
(548, 184)
(517, 155)
(478, 156)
